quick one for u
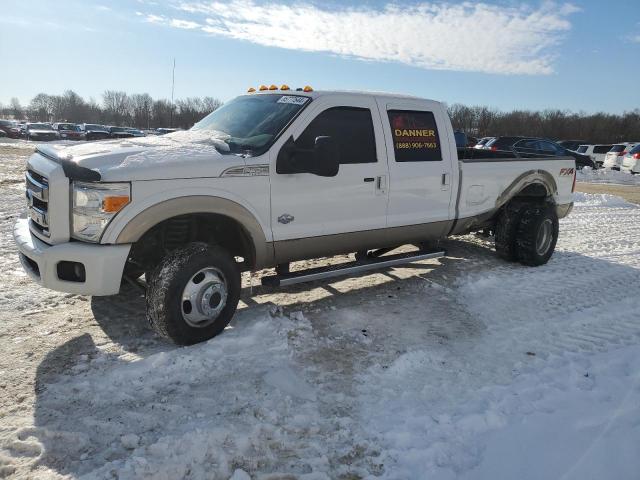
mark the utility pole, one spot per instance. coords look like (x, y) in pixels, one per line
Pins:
(173, 85)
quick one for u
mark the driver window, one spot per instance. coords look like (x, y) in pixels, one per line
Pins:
(350, 127)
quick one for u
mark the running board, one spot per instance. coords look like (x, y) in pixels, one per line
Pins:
(346, 269)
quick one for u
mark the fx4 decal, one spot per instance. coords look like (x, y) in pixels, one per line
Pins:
(566, 171)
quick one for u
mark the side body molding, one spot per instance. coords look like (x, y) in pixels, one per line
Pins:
(166, 209)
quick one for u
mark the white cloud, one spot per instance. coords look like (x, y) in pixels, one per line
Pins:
(186, 24)
(465, 37)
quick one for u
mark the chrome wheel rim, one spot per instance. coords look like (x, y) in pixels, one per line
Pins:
(545, 234)
(204, 297)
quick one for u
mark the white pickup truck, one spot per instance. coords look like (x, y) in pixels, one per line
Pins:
(272, 177)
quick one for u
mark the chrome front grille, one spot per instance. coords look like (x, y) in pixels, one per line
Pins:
(38, 201)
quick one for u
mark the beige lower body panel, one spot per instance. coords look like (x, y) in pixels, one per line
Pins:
(328, 245)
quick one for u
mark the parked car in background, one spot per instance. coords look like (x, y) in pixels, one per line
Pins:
(164, 131)
(40, 132)
(69, 131)
(94, 131)
(538, 146)
(596, 152)
(572, 144)
(136, 132)
(483, 141)
(150, 132)
(463, 140)
(631, 161)
(10, 128)
(613, 158)
(120, 132)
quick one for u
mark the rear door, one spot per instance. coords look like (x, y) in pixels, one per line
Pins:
(420, 166)
(306, 205)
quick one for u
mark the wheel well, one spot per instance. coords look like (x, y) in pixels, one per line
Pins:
(533, 190)
(174, 232)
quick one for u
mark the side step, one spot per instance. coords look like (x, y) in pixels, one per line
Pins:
(346, 269)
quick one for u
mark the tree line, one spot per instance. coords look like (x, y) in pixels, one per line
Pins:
(117, 108)
(142, 111)
(600, 127)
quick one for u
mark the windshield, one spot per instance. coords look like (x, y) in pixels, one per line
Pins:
(119, 129)
(95, 127)
(582, 148)
(67, 126)
(250, 123)
(40, 126)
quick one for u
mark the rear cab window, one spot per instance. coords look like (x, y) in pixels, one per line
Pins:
(617, 148)
(582, 148)
(415, 136)
(602, 148)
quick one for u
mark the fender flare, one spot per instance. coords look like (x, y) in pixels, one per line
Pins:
(530, 177)
(155, 214)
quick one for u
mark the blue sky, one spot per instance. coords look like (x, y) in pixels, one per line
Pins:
(583, 55)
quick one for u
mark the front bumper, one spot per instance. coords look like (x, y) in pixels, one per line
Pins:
(103, 264)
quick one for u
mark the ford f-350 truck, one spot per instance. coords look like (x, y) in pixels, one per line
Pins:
(272, 177)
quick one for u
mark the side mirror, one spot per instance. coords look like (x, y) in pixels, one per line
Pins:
(327, 157)
(322, 160)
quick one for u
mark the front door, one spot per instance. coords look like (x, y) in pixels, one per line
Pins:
(305, 205)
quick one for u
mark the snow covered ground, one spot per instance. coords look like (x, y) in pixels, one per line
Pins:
(604, 175)
(467, 367)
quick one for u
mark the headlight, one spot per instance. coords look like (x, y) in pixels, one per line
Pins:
(94, 205)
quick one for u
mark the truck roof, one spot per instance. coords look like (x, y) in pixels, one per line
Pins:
(319, 93)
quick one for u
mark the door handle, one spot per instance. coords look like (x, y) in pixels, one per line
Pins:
(369, 179)
(381, 184)
(445, 181)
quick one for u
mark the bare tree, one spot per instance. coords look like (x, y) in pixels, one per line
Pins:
(116, 107)
(141, 109)
(16, 109)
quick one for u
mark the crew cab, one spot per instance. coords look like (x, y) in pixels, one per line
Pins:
(272, 177)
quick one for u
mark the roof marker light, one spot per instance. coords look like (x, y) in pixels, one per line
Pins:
(263, 88)
(307, 89)
(251, 90)
(284, 87)
(273, 87)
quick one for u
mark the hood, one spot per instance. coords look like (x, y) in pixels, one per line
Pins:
(185, 154)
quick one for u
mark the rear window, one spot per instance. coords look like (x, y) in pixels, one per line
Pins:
(415, 136)
(618, 148)
(602, 148)
(635, 149)
(582, 148)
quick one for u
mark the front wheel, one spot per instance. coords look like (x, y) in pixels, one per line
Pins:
(193, 294)
(537, 235)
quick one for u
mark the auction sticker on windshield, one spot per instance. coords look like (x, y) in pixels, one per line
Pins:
(294, 100)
